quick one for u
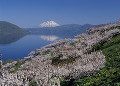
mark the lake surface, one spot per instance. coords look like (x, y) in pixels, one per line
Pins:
(23, 46)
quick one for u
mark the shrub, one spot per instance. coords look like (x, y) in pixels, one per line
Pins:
(17, 66)
(45, 53)
(63, 82)
(73, 44)
(8, 61)
(33, 83)
(59, 62)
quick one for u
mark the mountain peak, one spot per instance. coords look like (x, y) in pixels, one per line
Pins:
(49, 24)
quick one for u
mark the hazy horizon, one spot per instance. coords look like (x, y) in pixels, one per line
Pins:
(31, 13)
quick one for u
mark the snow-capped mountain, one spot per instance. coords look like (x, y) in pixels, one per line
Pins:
(49, 24)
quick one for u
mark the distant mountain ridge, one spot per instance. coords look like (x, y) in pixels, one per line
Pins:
(68, 30)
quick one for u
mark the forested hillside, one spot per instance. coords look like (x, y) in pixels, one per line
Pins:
(10, 32)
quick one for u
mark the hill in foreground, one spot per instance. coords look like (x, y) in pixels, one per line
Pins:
(92, 59)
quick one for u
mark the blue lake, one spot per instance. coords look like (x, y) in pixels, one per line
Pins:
(22, 47)
(18, 48)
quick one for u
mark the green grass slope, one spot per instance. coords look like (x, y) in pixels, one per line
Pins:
(110, 74)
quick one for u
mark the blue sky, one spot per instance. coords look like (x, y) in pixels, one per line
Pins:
(30, 13)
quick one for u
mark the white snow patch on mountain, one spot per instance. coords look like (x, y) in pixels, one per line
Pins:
(49, 24)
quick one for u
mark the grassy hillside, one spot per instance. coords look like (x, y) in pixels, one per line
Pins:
(110, 74)
(10, 32)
